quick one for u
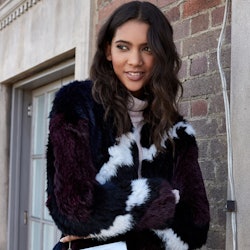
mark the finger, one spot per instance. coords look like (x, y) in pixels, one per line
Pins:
(69, 238)
(65, 239)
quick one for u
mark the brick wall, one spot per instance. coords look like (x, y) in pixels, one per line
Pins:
(197, 25)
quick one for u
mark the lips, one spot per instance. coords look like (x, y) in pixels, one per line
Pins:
(134, 76)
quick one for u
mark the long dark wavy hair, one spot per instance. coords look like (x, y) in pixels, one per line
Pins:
(164, 85)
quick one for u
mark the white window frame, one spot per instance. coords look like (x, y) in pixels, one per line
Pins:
(53, 73)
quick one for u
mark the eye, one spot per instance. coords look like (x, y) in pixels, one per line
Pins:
(147, 49)
(122, 47)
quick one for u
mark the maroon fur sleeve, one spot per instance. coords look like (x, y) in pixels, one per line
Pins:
(74, 176)
(192, 213)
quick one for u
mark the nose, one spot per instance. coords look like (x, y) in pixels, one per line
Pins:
(135, 58)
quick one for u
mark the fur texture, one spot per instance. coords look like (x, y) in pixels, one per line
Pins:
(93, 186)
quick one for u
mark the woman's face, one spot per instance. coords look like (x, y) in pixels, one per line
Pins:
(131, 56)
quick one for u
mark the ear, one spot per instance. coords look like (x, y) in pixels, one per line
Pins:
(108, 53)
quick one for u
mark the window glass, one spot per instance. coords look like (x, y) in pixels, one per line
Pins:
(43, 234)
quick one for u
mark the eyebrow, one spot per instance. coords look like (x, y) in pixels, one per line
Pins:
(122, 41)
(126, 42)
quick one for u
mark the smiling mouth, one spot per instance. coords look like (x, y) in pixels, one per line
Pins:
(134, 76)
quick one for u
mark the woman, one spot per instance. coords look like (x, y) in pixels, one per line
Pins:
(122, 164)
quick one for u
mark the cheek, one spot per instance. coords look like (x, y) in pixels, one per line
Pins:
(117, 63)
(150, 65)
(149, 61)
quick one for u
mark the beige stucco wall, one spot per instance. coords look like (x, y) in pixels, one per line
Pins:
(240, 109)
(33, 33)
(45, 30)
(3, 165)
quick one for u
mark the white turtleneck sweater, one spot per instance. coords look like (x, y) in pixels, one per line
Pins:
(135, 111)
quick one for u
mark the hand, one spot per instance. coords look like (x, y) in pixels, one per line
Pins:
(177, 195)
(69, 238)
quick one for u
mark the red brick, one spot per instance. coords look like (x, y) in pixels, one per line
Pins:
(173, 14)
(227, 39)
(217, 16)
(199, 108)
(181, 29)
(225, 59)
(198, 66)
(205, 127)
(155, 2)
(212, 62)
(108, 8)
(216, 104)
(163, 3)
(222, 123)
(205, 85)
(218, 146)
(199, 23)
(178, 46)
(184, 108)
(208, 170)
(192, 7)
(201, 43)
(184, 70)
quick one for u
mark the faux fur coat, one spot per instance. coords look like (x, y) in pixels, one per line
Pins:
(93, 186)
